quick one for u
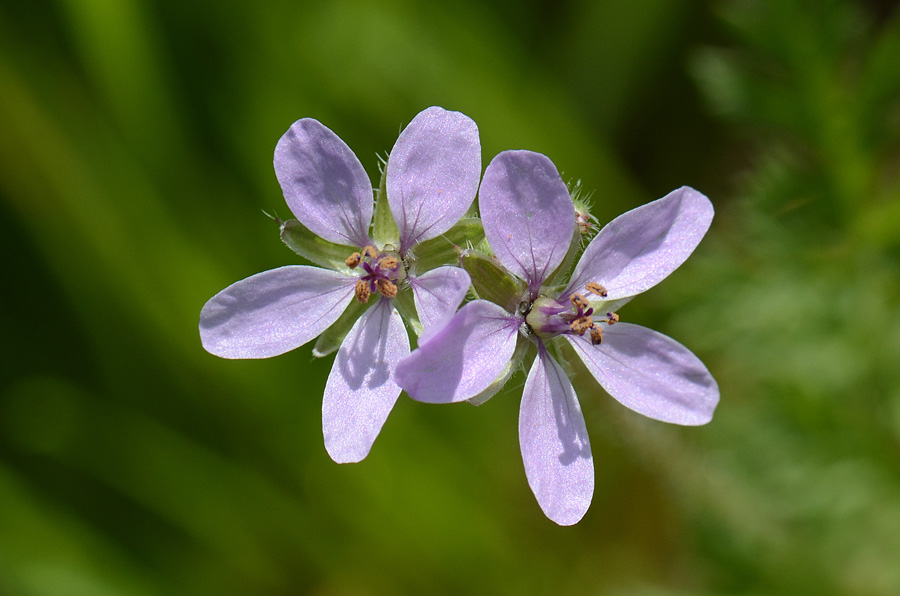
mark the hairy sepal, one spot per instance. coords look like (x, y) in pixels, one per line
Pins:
(331, 338)
(446, 248)
(384, 229)
(492, 282)
(515, 363)
(405, 304)
(313, 248)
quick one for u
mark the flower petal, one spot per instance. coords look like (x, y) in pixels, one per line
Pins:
(463, 358)
(554, 443)
(528, 215)
(324, 184)
(432, 174)
(438, 293)
(640, 248)
(359, 393)
(650, 373)
(273, 312)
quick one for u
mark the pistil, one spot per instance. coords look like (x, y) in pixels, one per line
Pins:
(549, 318)
(382, 272)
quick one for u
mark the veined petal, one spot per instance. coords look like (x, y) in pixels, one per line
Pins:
(554, 443)
(273, 312)
(432, 174)
(640, 248)
(650, 373)
(438, 293)
(324, 184)
(528, 215)
(463, 358)
(360, 393)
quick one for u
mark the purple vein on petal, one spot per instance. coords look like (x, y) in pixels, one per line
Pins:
(274, 311)
(360, 392)
(528, 214)
(324, 184)
(553, 438)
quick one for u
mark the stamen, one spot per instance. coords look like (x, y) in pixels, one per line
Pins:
(387, 288)
(579, 302)
(388, 262)
(595, 288)
(353, 260)
(612, 318)
(596, 335)
(381, 272)
(580, 325)
(363, 291)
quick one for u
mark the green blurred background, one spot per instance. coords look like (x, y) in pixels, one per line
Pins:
(136, 142)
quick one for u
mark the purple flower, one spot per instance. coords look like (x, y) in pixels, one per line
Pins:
(431, 179)
(529, 220)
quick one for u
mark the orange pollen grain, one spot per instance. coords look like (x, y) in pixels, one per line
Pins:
(595, 288)
(596, 335)
(389, 263)
(578, 301)
(370, 252)
(362, 291)
(580, 325)
(353, 260)
(387, 288)
(612, 318)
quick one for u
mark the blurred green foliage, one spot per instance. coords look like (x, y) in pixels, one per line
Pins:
(135, 160)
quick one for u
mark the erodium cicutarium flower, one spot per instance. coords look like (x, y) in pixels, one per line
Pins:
(430, 180)
(529, 222)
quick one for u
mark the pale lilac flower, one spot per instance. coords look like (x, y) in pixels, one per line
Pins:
(529, 219)
(432, 177)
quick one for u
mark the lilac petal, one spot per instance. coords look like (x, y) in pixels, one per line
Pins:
(273, 312)
(324, 184)
(432, 174)
(639, 249)
(528, 215)
(554, 443)
(359, 393)
(650, 373)
(463, 358)
(438, 293)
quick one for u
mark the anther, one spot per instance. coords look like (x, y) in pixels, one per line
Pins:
(353, 260)
(362, 291)
(612, 318)
(579, 302)
(580, 325)
(387, 288)
(370, 252)
(596, 335)
(388, 263)
(595, 288)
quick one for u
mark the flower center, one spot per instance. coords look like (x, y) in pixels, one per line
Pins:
(382, 271)
(549, 318)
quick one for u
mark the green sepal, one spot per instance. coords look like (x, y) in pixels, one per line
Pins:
(384, 229)
(313, 248)
(331, 338)
(514, 364)
(405, 304)
(492, 282)
(445, 249)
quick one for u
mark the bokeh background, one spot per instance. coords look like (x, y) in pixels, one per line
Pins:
(136, 141)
